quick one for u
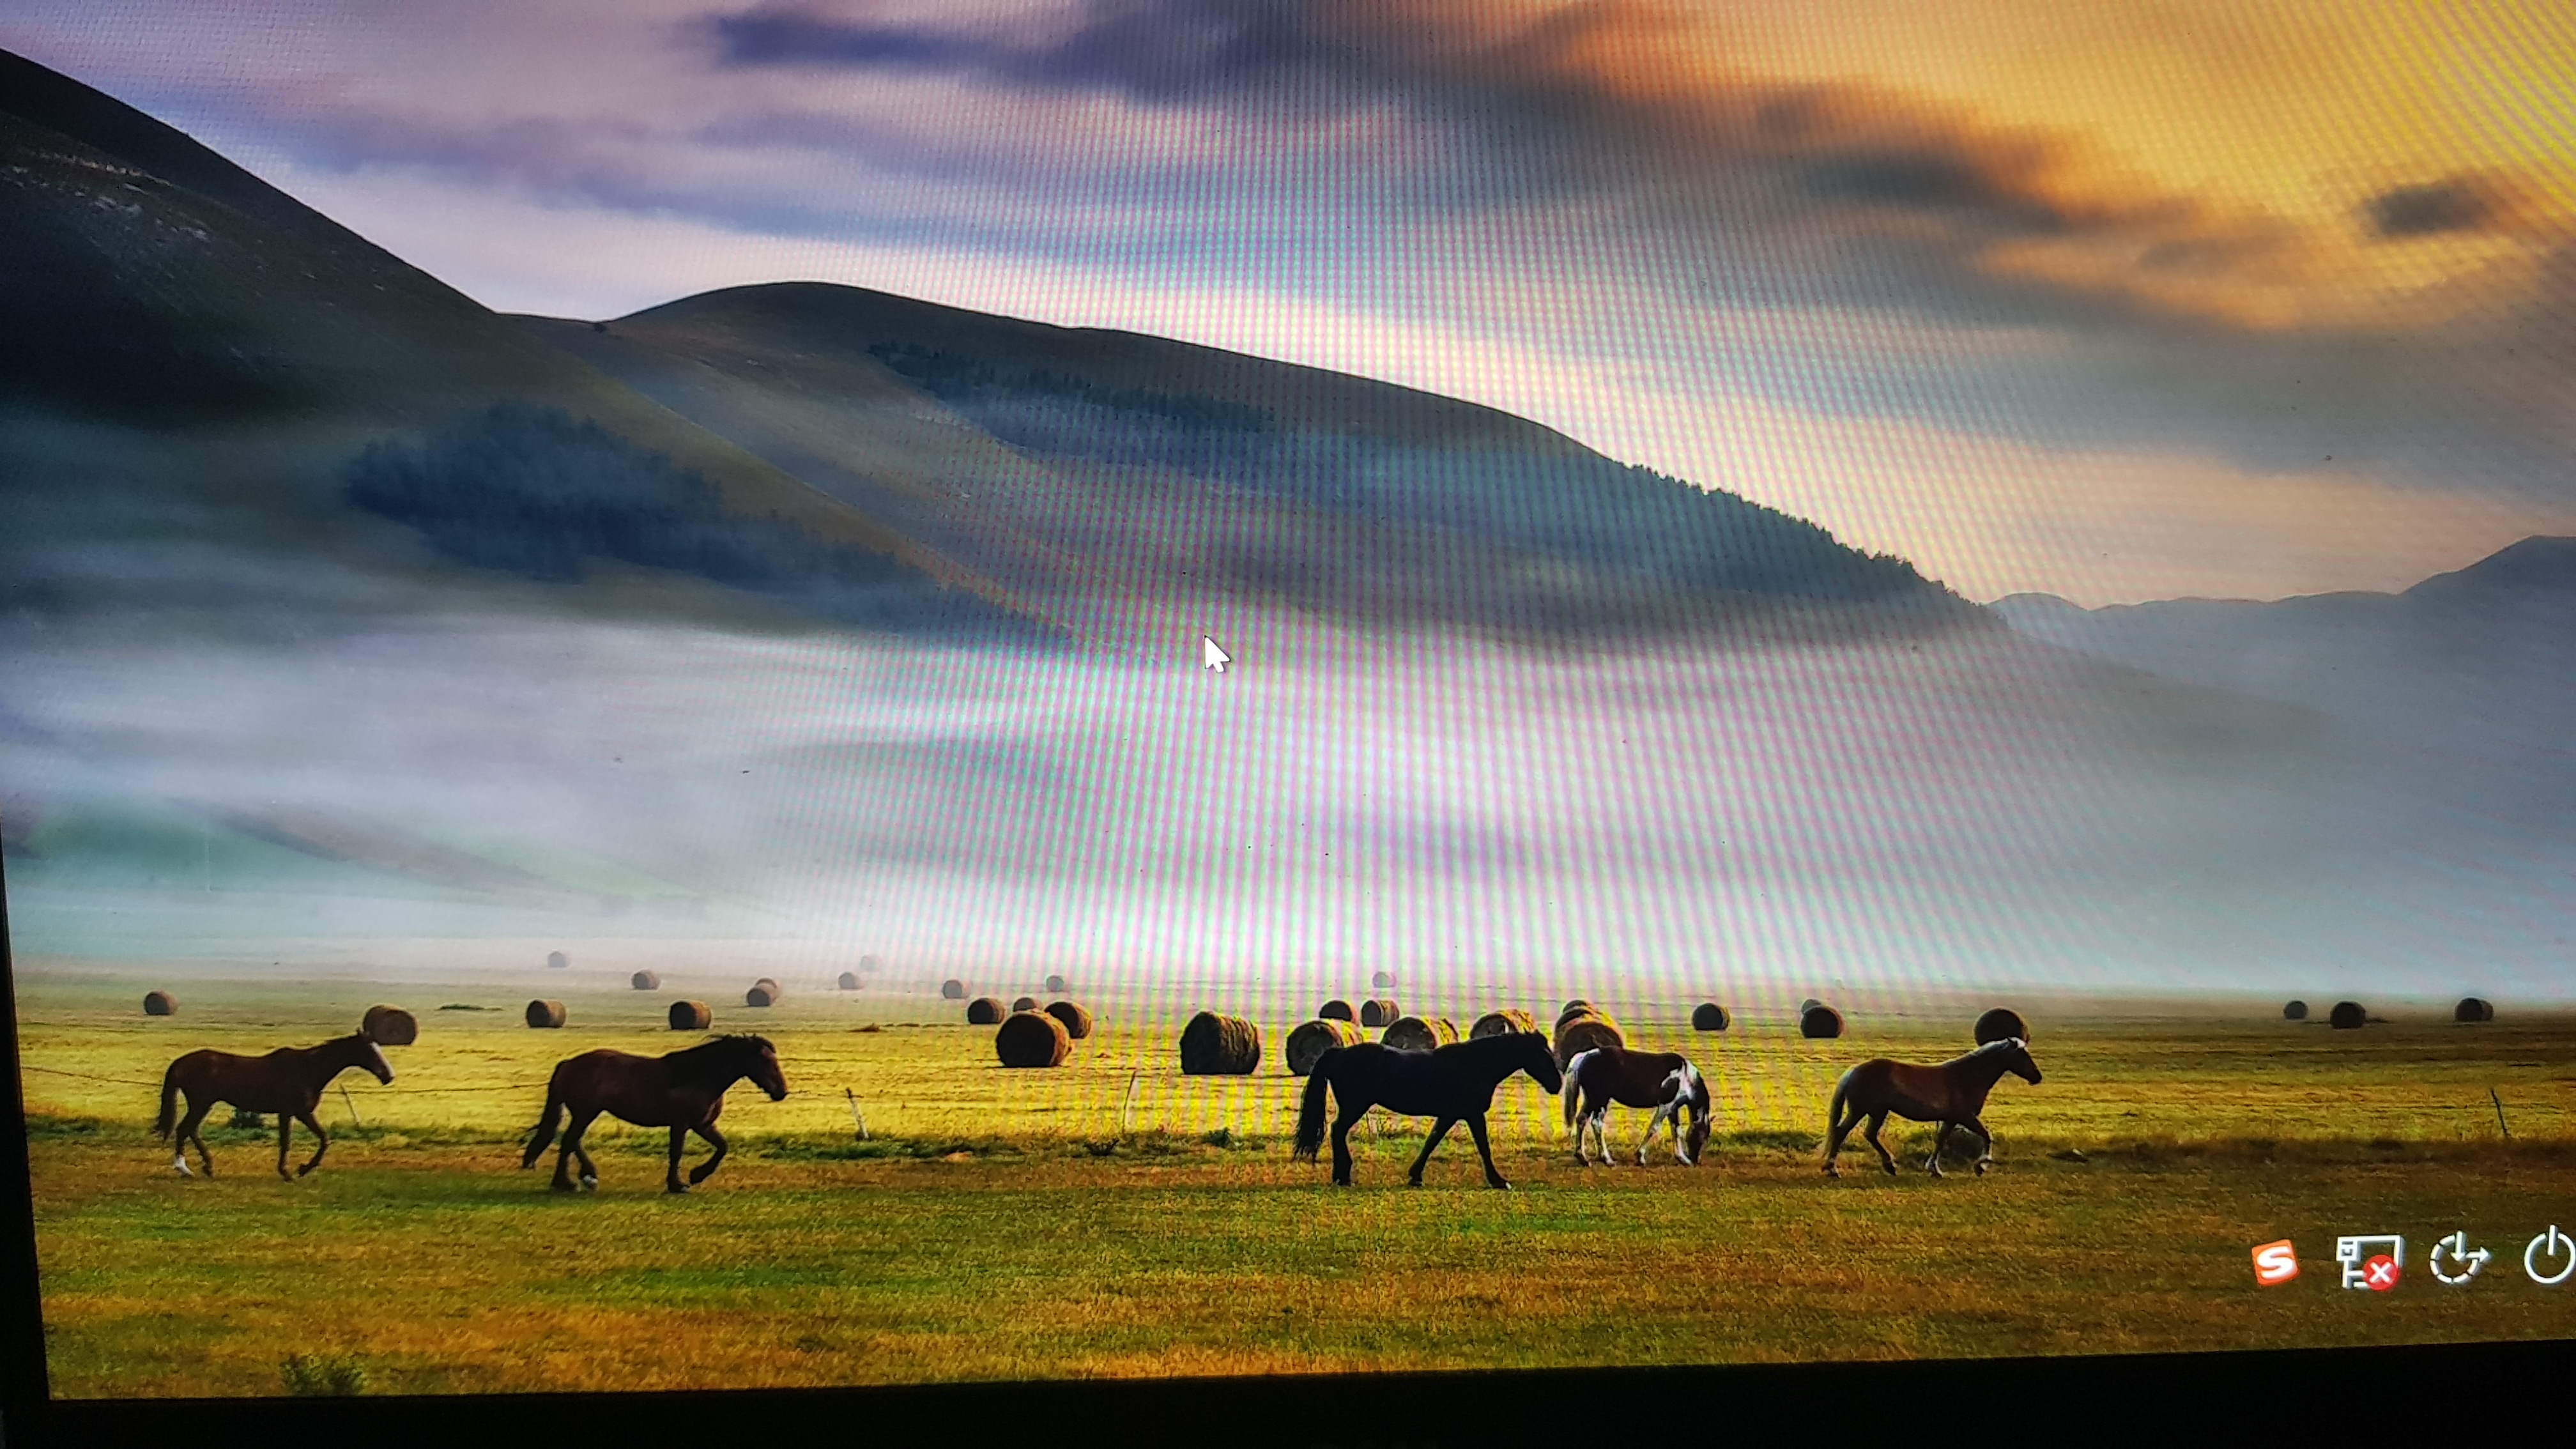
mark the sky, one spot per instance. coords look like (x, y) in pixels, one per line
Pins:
(2117, 301)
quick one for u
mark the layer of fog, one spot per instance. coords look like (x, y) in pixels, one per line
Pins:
(1891, 817)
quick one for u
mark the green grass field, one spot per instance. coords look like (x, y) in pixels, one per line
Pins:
(1115, 1218)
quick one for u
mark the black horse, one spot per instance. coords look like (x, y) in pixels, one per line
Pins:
(682, 1090)
(1450, 1084)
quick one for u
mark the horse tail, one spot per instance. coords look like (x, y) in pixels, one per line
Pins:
(1834, 1112)
(542, 1136)
(1574, 1087)
(169, 1117)
(1310, 1108)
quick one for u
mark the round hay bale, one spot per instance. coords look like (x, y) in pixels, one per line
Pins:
(764, 992)
(557, 961)
(1597, 1014)
(1808, 1005)
(1420, 1033)
(1317, 1037)
(545, 1015)
(1586, 1031)
(1382, 981)
(1572, 1009)
(952, 989)
(1025, 1003)
(2347, 1016)
(1337, 1010)
(1378, 1014)
(1820, 1022)
(2295, 1011)
(160, 1003)
(867, 965)
(1077, 1022)
(849, 981)
(1998, 1024)
(1055, 986)
(691, 1016)
(984, 1011)
(1509, 1021)
(1220, 1046)
(646, 980)
(389, 1026)
(1709, 1016)
(1032, 1039)
(2472, 1008)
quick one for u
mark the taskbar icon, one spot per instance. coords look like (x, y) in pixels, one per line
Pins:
(2464, 1262)
(2371, 1260)
(2275, 1264)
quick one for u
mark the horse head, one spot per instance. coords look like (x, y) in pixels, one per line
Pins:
(1531, 1054)
(763, 1068)
(1702, 1119)
(2017, 1060)
(372, 1057)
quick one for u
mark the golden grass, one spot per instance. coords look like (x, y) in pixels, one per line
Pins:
(1002, 1224)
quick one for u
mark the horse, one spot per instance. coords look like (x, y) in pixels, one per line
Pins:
(1951, 1094)
(1449, 1084)
(1665, 1081)
(682, 1090)
(287, 1081)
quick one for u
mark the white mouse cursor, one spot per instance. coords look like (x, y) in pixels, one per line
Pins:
(1214, 657)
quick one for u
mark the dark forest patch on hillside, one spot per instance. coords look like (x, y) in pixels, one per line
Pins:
(533, 492)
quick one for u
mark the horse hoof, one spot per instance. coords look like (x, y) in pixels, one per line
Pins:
(590, 1184)
(676, 1189)
(562, 1185)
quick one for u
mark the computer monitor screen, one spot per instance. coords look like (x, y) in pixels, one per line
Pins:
(1909, 666)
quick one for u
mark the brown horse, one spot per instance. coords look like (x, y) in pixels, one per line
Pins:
(1664, 1081)
(287, 1081)
(1951, 1094)
(682, 1090)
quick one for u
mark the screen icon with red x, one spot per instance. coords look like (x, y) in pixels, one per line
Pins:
(2373, 1260)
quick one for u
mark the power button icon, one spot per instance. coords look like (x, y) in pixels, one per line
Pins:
(2552, 1246)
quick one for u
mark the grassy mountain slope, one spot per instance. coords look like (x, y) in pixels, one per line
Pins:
(1083, 463)
(159, 289)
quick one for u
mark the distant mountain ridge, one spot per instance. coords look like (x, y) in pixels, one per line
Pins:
(2486, 651)
(2539, 565)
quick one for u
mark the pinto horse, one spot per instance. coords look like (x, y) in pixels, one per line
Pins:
(1951, 1094)
(1449, 1084)
(287, 1081)
(1664, 1081)
(682, 1090)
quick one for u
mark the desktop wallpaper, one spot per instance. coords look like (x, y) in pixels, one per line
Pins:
(1022, 554)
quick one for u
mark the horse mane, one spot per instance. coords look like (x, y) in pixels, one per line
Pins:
(711, 1059)
(1989, 1049)
(1493, 1046)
